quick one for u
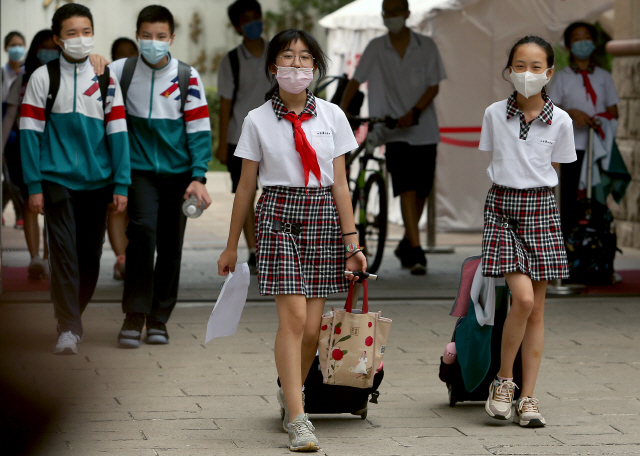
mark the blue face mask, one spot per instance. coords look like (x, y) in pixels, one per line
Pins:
(583, 49)
(153, 51)
(252, 30)
(47, 55)
(16, 53)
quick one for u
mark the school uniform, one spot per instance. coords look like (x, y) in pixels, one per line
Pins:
(299, 246)
(569, 90)
(521, 220)
(253, 84)
(395, 86)
(78, 159)
(168, 149)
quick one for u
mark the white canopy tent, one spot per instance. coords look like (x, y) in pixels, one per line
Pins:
(474, 38)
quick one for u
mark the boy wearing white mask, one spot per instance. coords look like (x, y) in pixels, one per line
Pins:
(404, 70)
(170, 137)
(75, 161)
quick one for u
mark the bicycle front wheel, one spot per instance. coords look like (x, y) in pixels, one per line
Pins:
(373, 222)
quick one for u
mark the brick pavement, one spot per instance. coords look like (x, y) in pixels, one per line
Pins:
(218, 399)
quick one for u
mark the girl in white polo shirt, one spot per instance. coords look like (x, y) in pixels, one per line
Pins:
(522, 240)
(304, 218)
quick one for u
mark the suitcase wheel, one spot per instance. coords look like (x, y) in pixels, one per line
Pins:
(362, 413)
(452, 398)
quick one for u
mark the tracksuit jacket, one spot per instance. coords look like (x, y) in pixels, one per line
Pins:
(82, 146)
(162, 139)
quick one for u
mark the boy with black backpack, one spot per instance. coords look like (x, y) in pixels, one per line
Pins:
(75, 160)
(170, 138)
(242, 85)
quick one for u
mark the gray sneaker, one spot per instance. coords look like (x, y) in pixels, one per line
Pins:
(498, 405)
(67, 344)
(527, 413)
(284, 410)
(301, 436)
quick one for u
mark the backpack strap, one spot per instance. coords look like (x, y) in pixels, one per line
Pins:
(53, 67)
(235, 70)
(103, 82)
(127, 74)
(184, 75)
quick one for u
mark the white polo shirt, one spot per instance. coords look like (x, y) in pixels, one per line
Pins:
(518, 163)
(270, 141)
(396, 85)
(253, 85)
(567, 90)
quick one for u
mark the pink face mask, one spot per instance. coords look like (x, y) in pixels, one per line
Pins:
(294, 80)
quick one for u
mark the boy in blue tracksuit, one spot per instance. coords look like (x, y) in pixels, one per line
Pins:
(75, 162)
(170, 151)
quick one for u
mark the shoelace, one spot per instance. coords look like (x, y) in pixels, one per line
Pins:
(504, 392)
(528, 405)
(67, 337)
(303, 428)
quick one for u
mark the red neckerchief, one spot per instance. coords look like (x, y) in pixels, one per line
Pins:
(588, 86)
(307, 154)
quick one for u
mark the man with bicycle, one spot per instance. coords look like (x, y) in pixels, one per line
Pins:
(404, 70)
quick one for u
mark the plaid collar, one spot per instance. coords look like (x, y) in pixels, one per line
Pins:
(590, 68)
(545, 116)
(281, 111)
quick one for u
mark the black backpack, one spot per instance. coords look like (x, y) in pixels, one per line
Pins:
(53, 67)
(184, 74)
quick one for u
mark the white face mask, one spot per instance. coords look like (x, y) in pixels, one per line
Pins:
(528, 84)
(78, 48)
(394, 24)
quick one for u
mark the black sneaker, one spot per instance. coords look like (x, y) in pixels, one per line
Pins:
(418, 261)
(131, 331)
(403, 252)
(251, 262)
(157, 333)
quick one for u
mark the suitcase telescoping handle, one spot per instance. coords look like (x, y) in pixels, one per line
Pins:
(361, 275)
(365, 299)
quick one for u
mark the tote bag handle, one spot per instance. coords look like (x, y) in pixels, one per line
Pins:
(365, 299)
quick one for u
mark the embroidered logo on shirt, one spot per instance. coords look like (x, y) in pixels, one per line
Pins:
(174, 86)
(167, 93)
(546, 141)
(94, 88)
(322, 133)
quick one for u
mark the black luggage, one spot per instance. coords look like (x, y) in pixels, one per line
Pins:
(451, 374)
(321, 398)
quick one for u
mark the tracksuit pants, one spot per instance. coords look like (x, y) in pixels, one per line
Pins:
(76, 223)
(156, 224)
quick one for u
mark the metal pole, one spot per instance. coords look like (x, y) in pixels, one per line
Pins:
(431, 225)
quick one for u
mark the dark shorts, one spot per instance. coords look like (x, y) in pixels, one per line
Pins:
(14, 167)
(412, 168)
(234, 165)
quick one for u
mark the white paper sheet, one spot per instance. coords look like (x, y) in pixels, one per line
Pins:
(226, 313)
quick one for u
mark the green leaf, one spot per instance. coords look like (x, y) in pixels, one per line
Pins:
(330, 376)
(344, 338)
(344, 352)
(339, 324)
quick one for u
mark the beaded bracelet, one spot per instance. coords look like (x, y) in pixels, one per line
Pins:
(353, 254)
(348, 234)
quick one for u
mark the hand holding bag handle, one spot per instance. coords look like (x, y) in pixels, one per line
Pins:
(365, 300)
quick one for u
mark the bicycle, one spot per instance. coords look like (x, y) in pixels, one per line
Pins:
(369, 193)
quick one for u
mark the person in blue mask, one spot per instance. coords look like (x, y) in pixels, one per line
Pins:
(14, 45)
(241, 86)
(585, 91)
(170, 137)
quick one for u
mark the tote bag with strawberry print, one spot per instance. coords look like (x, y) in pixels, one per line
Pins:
(352, 343)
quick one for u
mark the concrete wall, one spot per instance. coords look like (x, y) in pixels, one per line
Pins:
(626, 75)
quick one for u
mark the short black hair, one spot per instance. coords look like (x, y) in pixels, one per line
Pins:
(120, 41)
(67, 12)
(404, 2)
(155, 13)
(281, 41)
(12, 35)
(242, 6)
(569, 30)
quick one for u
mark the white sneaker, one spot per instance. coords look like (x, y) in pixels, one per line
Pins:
(527, 413)
(301, 437)
(498, 404)
(67, 344)
(284, 410)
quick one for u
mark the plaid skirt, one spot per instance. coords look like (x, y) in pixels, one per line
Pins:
(522, 233)
(310, 263)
